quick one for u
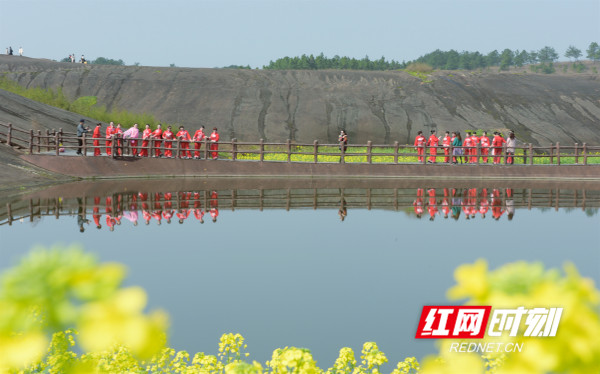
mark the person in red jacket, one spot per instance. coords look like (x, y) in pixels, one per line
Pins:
(97, 134)
(198, 138)
(474, 142)
(432, 142)
(468, 143)
(214, 143)
(446, 141)
(184, 143)
(157, 136)
(497, 144)
(146, 135)
(110, 130)
(168, 137)
(420, 145)
(485, 147)
(118, 131)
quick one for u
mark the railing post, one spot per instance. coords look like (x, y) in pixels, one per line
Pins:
(56, 143)
(113, 145)
(234, 149)
(584, 151)
(576, 154)
(316, 150)
(60, 136)
(342, 153)
(30, 142)
(288, 145)
(558, 153)
(47, 140)
(39, 139)
(369, 151)
(151, 151)
(396, 146)
(178, 148)
(261, 150)
(424, 146)
(478, 153)
(551, 154)
(206, 148)
(9, 135)
(530, 154)
(84, 141)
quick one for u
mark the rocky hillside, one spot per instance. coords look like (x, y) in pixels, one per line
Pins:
(308, 105)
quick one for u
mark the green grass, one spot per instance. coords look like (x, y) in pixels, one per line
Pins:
(87, 106)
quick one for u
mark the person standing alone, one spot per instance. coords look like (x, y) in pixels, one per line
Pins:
(81, 129)
(214, 143)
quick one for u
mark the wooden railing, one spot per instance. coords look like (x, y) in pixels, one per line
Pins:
(58, 142)
(397, 199)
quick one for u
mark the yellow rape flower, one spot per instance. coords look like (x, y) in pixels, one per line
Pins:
(120, 320)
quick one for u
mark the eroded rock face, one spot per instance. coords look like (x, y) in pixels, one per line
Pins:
(306, 105)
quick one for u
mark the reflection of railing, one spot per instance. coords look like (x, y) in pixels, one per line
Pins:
(420, 200)
(57, 142)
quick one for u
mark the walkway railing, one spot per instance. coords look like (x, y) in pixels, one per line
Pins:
(58, 142)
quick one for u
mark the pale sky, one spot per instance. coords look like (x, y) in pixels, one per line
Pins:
(217, 33)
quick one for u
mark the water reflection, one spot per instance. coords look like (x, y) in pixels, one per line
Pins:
(108, 210)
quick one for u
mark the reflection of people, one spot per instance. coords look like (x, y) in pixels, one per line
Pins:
(96, 212)
(497, 210)
(343, 212)
(81, 220)
(418, 203)
(510, 204)
(214, 206)
(432, 204)
(456, 203)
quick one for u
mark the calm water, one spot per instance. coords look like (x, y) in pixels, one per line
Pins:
(282, 273)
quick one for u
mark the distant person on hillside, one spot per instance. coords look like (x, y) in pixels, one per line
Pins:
(82, 59)
(81, 129)
(10, 51)
(214, 143)
(20, 51)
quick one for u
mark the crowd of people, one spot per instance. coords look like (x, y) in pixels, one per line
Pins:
(466, 150)
(469, 201)
(154, 143)
(157, 206)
